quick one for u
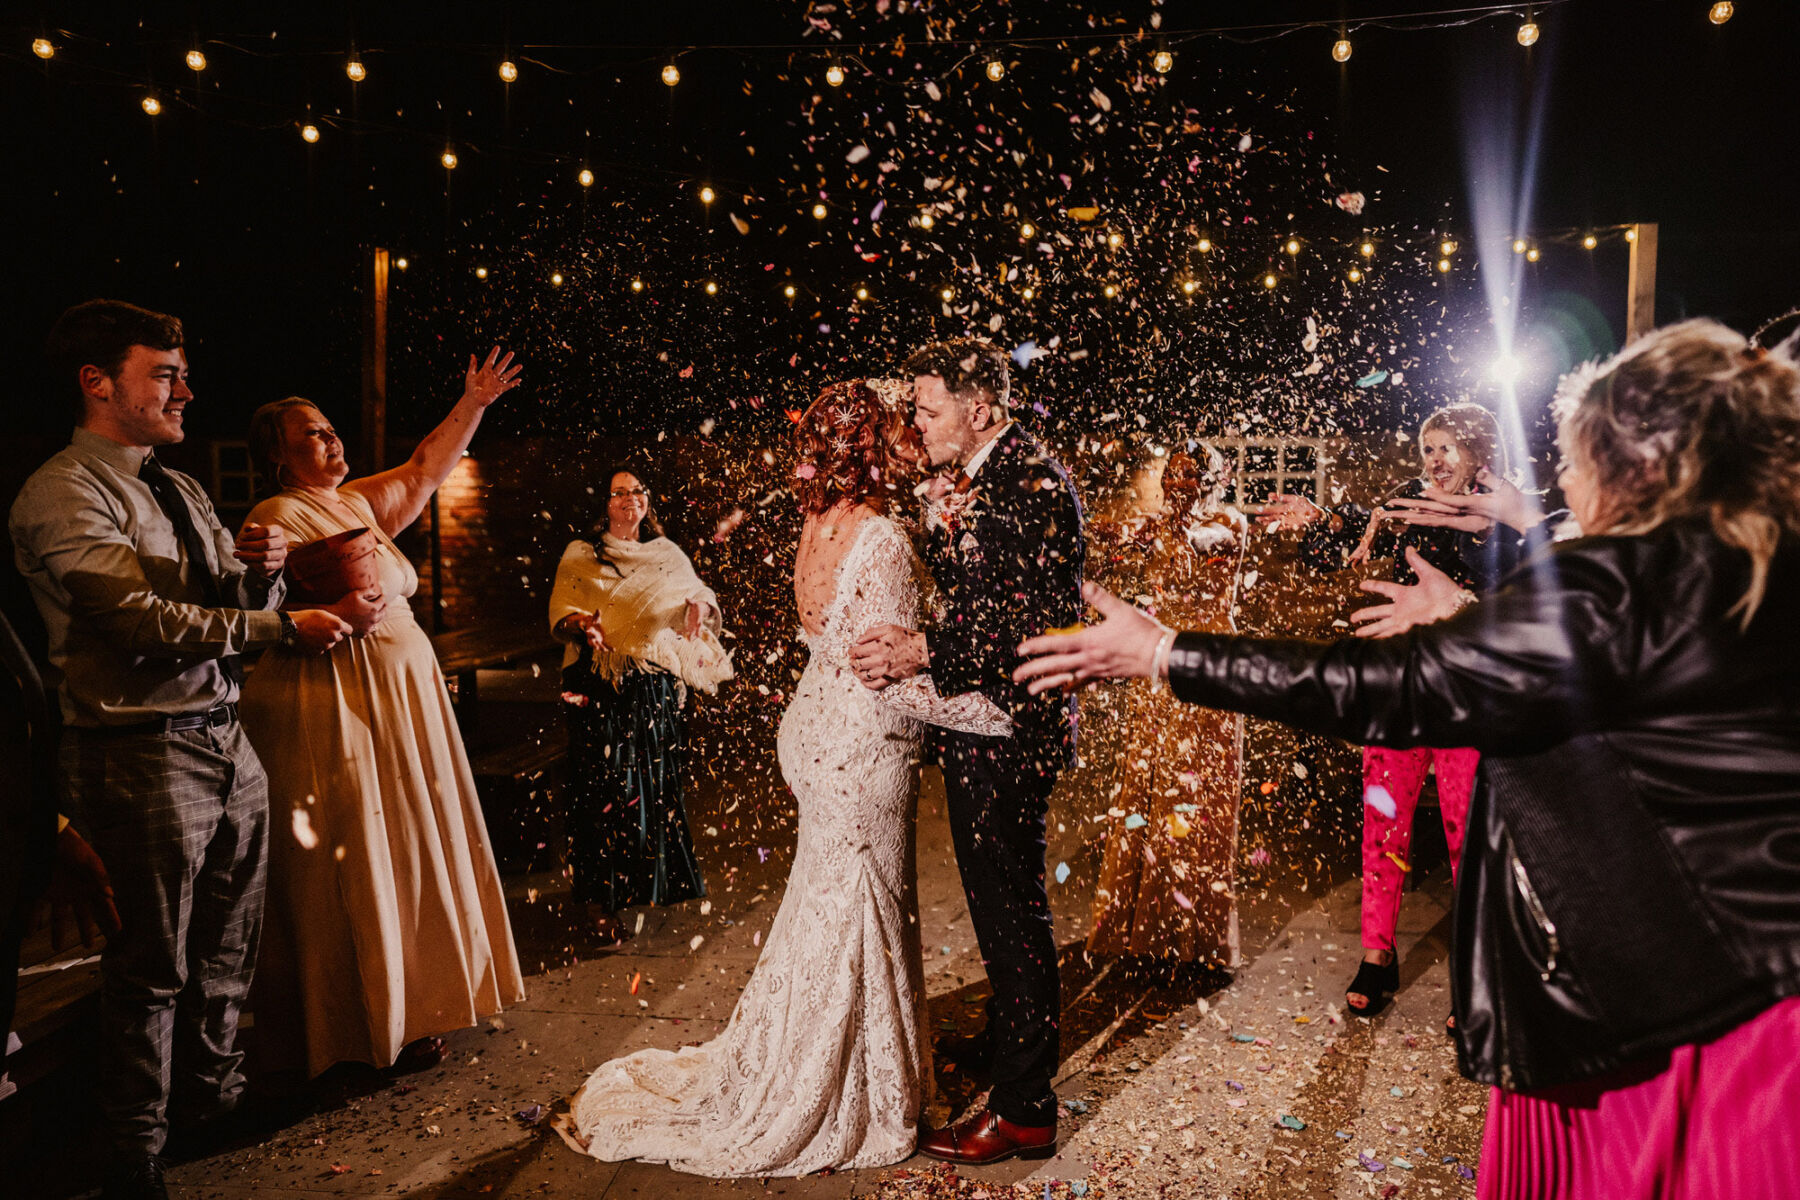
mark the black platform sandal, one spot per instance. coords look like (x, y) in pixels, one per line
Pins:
(1377, 981)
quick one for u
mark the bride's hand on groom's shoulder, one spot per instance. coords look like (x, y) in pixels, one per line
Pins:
(888, 654)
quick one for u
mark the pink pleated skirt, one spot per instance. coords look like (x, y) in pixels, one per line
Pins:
(1720, 1120)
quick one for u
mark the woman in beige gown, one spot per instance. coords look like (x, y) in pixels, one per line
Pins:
(1167, 887)
(386, 922)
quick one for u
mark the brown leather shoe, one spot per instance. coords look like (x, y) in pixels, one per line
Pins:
(988, 1137)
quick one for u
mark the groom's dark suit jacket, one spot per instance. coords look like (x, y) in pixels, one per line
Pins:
(1009, 568)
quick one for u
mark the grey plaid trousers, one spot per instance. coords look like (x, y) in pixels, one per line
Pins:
(181, 822)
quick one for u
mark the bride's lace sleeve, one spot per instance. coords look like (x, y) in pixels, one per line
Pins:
(886, 592)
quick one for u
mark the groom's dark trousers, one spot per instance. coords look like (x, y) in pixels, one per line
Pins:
(1008, 566)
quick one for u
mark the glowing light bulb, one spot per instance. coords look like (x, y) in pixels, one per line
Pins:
(1115, 240)
(1528, 33)
(819, 212)
(1293, 246)
(671, 74)
(707, 195)
(1109, 291)
(556, 279)
(637, 285)
(926, 221)
(586, 178)
(1590, 241)
(509, 71)
(996, 70)
(356, 71)
(1269, 280)
(1443, 266)
(1367, 249)
(196, 61)
(947, 294)
(152, 105)
(1506, 370)
(712, 289)
(862, 293)
(1519, 246)
(1448, 247)
(1163, 61)
(400, 264)
(1028, 292)
(1340, 50)
(1189, 286)
(1720, 12)
(1531, 255)
(1355, 274)
(449, 160)
(834, 75)
(1204, 245)
(309, 134)
(42, 48)
(481, 272)
(1631, 235)
(788, 291)
(1027, 230)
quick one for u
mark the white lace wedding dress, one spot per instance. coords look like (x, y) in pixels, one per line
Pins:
(826, 1061)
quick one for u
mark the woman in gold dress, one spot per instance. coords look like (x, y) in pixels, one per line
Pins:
(386, 922)
(1167, 888)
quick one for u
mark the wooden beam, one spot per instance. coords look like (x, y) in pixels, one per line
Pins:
(1640, 304)
(374, 361)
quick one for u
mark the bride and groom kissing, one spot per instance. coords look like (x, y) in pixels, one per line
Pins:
(825, 1062)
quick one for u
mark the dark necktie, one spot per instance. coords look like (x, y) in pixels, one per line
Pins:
(174, 506)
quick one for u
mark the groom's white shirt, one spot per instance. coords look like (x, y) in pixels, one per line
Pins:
(981, 455)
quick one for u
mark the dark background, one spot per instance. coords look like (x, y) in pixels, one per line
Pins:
(217, 211)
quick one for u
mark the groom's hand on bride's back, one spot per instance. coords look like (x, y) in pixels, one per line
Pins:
(887, 654)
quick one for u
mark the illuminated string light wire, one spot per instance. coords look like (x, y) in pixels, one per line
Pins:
(1341, 50)
(43, 48)
(356, 71)
(196, 61)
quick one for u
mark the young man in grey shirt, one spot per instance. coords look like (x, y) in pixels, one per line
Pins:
(149, 603)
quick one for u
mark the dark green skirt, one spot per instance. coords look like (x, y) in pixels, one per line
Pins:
(628, 831)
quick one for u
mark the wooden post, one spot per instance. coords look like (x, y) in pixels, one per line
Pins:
(1640, 304)
(374, 361)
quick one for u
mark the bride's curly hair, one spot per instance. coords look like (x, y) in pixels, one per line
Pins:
(846, 449)
(1692, 420)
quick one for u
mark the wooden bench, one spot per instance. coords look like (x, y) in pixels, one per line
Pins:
(463, 652)
(517, 783)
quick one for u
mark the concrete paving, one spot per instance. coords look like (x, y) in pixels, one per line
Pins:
(1160, 1086)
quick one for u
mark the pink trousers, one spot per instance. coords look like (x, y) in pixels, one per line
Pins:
(1714, 1121)
(1392, 780)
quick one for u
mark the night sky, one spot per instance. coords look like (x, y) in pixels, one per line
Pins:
(217, 210)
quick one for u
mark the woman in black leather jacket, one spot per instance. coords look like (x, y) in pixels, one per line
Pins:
(1626, 957)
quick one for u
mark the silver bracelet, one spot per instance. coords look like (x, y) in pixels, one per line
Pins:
(1159, 662)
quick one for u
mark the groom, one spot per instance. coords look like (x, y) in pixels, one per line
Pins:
(1006, 550)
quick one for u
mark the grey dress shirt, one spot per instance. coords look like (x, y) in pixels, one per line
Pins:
(131, 638)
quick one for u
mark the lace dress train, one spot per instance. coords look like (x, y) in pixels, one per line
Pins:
(825, 1061)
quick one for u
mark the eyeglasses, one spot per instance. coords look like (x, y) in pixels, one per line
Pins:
(637, 491)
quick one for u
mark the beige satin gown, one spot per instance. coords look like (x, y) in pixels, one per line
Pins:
(386, 921)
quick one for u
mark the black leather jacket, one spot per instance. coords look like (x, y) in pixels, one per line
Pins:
(1631, 877)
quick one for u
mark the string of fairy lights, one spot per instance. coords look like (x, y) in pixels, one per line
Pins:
(1357, 263)
(996, 58)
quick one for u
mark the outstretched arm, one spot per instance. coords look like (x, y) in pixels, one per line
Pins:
(1527, 664)
(398, 496)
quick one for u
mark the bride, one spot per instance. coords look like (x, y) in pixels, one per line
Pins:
(826, 1059)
